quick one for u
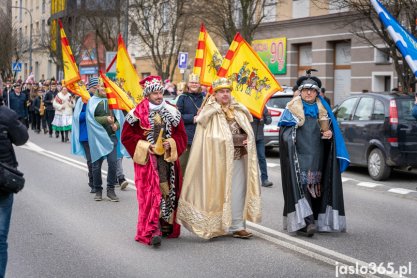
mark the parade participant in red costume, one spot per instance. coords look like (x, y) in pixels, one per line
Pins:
(155, 137)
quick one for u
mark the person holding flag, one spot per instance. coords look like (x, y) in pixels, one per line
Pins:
(104, 127)
(221, 186)
(154, 135)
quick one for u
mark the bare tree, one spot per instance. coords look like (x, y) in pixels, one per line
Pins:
(7, 45)
(363, 19)
(161, 26)
(226, 18)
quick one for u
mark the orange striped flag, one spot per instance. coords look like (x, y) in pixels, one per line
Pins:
(71, 73)
(207, 58)
(117, 98)
(127, 73)
(253, 82)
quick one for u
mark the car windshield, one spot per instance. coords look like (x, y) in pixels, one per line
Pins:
(278, 102)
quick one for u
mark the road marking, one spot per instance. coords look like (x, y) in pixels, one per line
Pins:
(369, 184)
(269, 164)
(303, 247)
(344, 179)
(67, 160)
(402, 191)
(306, 248)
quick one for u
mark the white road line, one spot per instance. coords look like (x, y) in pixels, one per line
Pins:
(303, 247)
(402, 191)
(344, 179)
(67, 160)
(272, 164)
(309, 249)
(369, 184)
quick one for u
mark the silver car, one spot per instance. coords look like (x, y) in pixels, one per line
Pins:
(276, 105)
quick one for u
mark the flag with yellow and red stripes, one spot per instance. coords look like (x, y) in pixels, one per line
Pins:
(71, 73)
(117, 98)
(253, 82)
(207, 58)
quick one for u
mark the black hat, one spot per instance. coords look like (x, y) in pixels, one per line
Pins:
(309, 82)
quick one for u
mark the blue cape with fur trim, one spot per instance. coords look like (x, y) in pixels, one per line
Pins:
(98, 139)
(288, 119)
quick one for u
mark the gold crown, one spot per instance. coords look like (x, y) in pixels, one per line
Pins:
(193, 77)
(222, 83)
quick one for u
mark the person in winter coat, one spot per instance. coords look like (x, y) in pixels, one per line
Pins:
(63, 105)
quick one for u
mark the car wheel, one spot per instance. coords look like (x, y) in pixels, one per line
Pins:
(377, 168)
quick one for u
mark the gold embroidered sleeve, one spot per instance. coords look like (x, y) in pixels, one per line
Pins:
(171, 155)
(141, 154)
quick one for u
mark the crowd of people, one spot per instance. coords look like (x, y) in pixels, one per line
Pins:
(199, 163)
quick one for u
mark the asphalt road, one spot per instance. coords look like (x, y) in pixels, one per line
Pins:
(59, 231)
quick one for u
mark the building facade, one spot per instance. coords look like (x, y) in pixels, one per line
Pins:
(27, 15)
(319, 38)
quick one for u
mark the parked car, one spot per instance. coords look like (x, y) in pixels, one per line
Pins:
(379, 131)
(276, 105)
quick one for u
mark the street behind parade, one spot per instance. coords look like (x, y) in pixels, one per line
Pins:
(58, 230)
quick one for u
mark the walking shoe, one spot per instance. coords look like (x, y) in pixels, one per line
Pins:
(311, 230)
(93, 190)
(308, 231)
(98, 196)
(56, 134)
(242, 234)
(123, 184)
(156, 241)
(112, 195)
(267, 183)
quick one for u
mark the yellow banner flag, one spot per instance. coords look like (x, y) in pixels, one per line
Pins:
(118, 99)
(253, 83)
(208, 59)
(126, 73)
(71, 73)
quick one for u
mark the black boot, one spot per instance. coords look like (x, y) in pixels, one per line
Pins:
(66, 136)
(62, 136)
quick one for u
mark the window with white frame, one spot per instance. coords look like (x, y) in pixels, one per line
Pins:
(337, 7)
(300, 8)
(270, 11)
(237, 13)
(165, 15)
(382, 57)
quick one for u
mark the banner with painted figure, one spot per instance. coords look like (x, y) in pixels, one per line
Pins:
(253, 82)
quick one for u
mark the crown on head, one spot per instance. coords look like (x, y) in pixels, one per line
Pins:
(222, 83)
(193, 77)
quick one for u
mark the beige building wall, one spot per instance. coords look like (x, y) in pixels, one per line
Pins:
(42, 65)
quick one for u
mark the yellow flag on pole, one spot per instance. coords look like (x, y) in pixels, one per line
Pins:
(253, 82)
(208, 59)
(126, 73)
(71, 73)
(117, 98)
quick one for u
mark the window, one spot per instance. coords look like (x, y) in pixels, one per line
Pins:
(270, 11)
(342, 54)
(344, 111)
(300, 8)
(237, 13)
(379, 111)
(337, 7)
(165, 15)
(305, 58)
(364, 110)
(43, 6)
(382, 57)
(43, 30)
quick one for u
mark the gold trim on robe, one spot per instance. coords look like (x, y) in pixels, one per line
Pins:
(205, 202)
(141, 154)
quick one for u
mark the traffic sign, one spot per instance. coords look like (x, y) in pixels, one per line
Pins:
(17, 66)
(182, 60)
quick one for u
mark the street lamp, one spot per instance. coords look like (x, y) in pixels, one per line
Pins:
(30, 36)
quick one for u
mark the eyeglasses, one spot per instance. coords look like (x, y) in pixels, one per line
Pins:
(308, 91)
